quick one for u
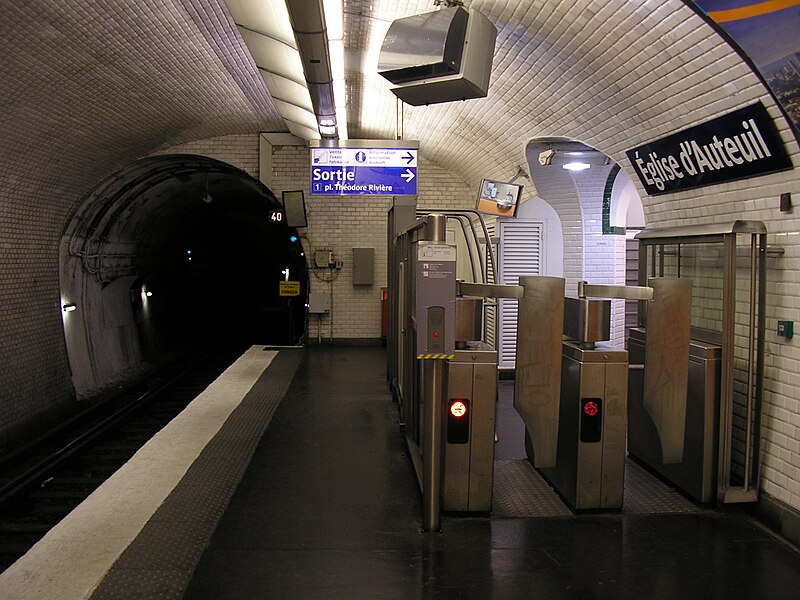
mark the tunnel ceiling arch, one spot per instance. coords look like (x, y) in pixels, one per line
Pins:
(144, 204)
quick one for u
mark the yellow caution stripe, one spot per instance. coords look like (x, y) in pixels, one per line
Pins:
(437, 356)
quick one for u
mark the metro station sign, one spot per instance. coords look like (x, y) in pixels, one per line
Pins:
(740, 144)
(382, 171)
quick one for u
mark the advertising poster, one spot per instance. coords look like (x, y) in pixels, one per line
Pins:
(769, 33)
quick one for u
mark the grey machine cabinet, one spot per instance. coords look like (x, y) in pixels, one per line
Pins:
(696, 475)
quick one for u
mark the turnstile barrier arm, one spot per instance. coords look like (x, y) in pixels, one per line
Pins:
(537, 384)
(489, 290)
(625, 292)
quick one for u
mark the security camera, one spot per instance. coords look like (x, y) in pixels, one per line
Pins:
(546, 157)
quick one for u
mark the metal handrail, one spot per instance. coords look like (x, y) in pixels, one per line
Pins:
(479, 219)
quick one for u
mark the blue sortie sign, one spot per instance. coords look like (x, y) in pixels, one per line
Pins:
(389, 181)
(376, 171)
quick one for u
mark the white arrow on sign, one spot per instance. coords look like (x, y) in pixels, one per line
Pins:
(408, 175)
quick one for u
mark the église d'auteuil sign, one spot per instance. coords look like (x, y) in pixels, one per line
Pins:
(743, 143)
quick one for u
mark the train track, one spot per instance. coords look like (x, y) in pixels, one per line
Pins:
(43, 481)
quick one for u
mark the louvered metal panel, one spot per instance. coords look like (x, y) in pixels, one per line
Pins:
(521, 252)
(490, 313)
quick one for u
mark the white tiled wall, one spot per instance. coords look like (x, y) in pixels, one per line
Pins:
(341, 223)
(611, 74)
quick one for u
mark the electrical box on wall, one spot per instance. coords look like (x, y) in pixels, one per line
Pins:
(786, 329)
(319, 303)
(323, 259)
(363, 266)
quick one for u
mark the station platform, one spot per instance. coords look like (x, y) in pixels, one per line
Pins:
(288, 478)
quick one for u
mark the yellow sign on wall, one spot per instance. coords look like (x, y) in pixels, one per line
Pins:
(289, 288)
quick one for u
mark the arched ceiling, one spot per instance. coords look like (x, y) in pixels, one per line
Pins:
(148, 200)
(146, 210)
(87, 87)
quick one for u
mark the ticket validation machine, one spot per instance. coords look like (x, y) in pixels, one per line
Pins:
(448, 330)
(470, 404)
(590, 459)
(435, 300)
(434, 310)
(446, 378)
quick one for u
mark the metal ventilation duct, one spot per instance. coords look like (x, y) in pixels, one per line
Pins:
(308, 24)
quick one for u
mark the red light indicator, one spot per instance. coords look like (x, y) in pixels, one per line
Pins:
(458, 409)
(458, 421)
(590, 408)
(435, 334)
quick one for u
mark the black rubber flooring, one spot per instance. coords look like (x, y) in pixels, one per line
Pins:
(329, 509)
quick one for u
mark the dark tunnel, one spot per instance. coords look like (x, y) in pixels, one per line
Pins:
(229, 258)
(176, 252)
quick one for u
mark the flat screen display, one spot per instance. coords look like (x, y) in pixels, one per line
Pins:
(498, 198)
(294, 205)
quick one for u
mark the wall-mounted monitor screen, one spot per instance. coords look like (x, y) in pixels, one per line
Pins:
(294, 205)
(498, 198)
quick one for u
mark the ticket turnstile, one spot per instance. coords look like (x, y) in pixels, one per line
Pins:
(695, 473)
(728, 310)
(443, 380)
(470, 405)
(590, 461)
(573, 395)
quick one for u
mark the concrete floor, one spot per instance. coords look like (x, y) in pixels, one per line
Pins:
(329, 508)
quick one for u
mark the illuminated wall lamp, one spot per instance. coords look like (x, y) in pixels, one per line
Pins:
(573, 160)
(576, 166)
(69, 307)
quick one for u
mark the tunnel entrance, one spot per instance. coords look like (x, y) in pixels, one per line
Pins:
(174, 252)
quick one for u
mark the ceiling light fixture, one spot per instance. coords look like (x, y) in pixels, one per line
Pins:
(334, 24)
(576, 166)
(267, 33)
(309, 24)
(572, 160)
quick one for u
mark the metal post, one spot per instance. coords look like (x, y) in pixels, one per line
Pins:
(726, 376)
(436, 228)
(434, 384)
(432, 444)
(751, 360)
